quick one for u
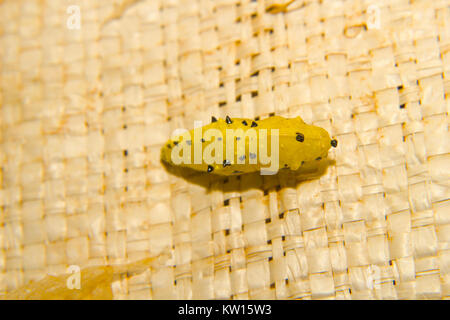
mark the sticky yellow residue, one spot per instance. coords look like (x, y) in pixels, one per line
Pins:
(279, 6)
(95, 283)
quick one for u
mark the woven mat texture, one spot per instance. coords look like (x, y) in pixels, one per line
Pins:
(85, 111)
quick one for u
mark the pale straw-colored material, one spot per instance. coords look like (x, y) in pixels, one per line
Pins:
(84, 113)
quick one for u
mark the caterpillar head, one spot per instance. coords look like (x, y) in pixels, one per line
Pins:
(303, 145)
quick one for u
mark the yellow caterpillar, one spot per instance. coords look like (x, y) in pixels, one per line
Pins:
(236, 146)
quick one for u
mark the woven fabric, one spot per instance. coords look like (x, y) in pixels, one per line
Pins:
(86, 108)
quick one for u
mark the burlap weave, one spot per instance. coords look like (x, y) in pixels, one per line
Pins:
(84, 113)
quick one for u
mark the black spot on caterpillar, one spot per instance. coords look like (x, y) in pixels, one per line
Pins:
(334, 143)
(232, 146)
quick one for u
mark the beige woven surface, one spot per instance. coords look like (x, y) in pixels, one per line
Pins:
(85, 112)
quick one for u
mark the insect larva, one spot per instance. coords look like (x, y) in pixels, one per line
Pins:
(233, 146)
